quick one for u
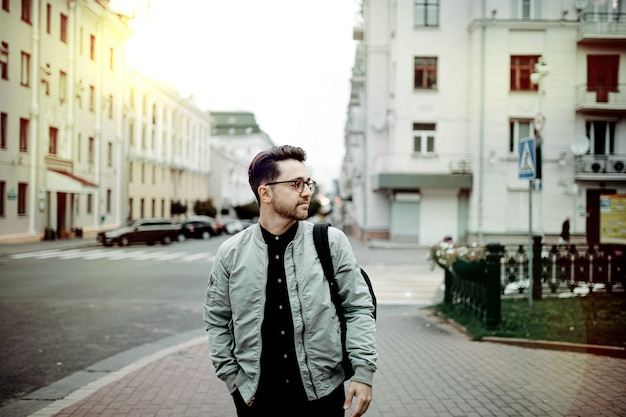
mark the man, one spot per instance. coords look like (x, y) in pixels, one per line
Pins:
(274, 335)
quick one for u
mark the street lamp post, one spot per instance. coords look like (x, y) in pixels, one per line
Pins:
(538, 77)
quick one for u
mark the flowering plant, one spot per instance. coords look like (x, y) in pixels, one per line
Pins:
(446, 253)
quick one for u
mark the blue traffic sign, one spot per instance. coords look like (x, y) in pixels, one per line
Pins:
(526, 162)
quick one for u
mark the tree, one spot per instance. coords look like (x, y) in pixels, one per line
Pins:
(176, 208)
(247, 211)
(205, 208)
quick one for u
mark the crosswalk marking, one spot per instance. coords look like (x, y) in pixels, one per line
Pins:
(115, 255)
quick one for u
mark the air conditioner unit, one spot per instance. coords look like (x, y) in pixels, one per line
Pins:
(595, 166)
(616, 166)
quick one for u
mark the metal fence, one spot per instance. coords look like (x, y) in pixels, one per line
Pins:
(566, 268)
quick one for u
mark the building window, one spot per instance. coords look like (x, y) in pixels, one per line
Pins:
(24, 127)
(91, 150)
(110, 154)
(5, 5)
(48, 18)
(3, 130)
(130, 172)
(62, 86)
(108, 204)
(426, 13)
(519, 129)
(602, 75)
(143, 173)
(153, 207)
(53, 138)
(153, 174)
(527, 9)
(92, 47)
(4, 60)
(26, 11)
(142, 208)
(131, 134)
(22, 189)
(521, 68)
(110, 106)
(79, 147)
(81, 38)
(92, 98)
(162, 207)
(602, 137)
(424, 138)
(89, 203)
(63, 28)
(3, 193)
(25, 70)
(425, 73)
(111, 59)
(130, 208)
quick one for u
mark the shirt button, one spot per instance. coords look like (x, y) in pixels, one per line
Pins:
(276, 237)
(282, 332)
(285, 356)
(286, 381)
(280, 280)
(280, 307)
(277, 256)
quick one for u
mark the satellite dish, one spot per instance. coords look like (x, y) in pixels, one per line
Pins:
(580, 146)
(377, 122)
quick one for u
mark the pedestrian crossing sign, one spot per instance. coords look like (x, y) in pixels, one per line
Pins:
(526, 162)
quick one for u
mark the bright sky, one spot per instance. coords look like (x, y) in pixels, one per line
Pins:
(287, 61)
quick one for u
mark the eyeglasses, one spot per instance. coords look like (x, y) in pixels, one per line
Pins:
(297, 184)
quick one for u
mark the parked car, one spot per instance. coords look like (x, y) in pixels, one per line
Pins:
(196, 229)
(147, 230)
(200, 224)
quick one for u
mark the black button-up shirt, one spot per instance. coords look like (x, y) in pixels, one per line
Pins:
(280, 373)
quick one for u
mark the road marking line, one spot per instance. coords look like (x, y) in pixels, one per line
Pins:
(33, 254)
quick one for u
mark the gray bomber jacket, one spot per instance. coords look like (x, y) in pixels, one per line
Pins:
(234, 309)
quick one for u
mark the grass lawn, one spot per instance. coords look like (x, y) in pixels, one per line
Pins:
(599, 319)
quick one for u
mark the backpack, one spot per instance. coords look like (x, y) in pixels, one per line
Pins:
(320, 237)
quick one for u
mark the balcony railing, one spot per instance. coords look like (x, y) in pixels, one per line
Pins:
(601, 167)
(423, 163)
(602, 26)
(589, 98)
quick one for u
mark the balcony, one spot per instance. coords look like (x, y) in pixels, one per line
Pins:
(600, 167)
(594, 27)
(413, 171)
(601, 99)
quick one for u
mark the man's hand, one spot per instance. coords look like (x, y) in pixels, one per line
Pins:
(363, 394)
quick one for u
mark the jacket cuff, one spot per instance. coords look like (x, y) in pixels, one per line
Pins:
(363, 375)
(230, 382)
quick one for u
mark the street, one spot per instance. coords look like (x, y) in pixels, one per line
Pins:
(62, 310)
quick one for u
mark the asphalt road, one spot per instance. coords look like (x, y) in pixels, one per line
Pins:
(57, 316)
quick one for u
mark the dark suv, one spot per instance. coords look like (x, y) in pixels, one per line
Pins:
(147, 231)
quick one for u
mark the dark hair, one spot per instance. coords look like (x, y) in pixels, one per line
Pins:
(264, 166)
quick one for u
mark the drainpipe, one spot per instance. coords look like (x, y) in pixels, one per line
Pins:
(34, 120)
(365, 174)
(481, 137)
(98, 211)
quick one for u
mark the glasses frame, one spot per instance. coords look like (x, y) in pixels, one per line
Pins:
(310, 183)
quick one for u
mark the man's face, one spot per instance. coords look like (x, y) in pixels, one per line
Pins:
(287, 201)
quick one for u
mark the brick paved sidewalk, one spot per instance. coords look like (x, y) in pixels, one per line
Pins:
(425, 369)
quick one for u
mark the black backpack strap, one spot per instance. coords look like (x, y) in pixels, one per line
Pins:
(320, 237)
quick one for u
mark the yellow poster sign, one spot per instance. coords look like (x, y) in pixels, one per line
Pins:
(612, 219)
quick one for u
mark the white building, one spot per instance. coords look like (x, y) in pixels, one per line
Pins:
(442, 95)
(84, 143)
(235, 139)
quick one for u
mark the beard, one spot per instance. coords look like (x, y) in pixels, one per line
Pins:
(288, 211)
